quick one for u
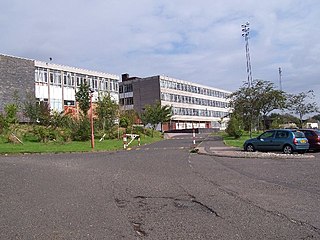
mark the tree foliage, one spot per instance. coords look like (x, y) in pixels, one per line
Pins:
(316, 117)
(107, 112)
(235, 126)
(83, 97)
(37, 112)
(155, 114)
(127, 118)
(299, 104)
(255, 101)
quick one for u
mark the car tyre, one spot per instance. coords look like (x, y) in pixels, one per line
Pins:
(287, 149)
(250, 148)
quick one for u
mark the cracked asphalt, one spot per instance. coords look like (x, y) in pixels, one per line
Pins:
(159, 191)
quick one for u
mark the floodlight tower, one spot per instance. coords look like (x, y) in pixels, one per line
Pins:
(245, 34)
(280, 78)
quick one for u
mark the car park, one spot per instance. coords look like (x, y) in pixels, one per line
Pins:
(313, 136)
(285, 140)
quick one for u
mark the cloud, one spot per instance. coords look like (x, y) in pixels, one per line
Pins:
(197, 41)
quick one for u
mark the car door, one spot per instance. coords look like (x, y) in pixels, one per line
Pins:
(311, 136)
(265, 142)
(281, 137)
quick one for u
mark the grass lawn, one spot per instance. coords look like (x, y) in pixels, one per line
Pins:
(74, 146)
(231, 141)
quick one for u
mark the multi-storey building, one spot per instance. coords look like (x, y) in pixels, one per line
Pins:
(193, 105)
(51, 83)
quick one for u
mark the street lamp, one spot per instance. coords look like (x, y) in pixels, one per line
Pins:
(245, 33)
(91, 119)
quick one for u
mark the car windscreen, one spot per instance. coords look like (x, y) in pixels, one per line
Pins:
(317, 132)
(299, 134)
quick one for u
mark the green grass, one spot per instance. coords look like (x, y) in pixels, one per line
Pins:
(231, 141)
(74, 146)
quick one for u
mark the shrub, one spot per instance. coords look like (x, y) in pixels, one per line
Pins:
(234, 128)
(42, 133)
(81, 130)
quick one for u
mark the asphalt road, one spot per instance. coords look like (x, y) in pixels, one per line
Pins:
(160, 191)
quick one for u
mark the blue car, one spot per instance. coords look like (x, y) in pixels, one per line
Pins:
(285, 140)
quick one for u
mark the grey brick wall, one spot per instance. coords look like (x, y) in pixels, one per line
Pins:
(16, 75)
(145, 91)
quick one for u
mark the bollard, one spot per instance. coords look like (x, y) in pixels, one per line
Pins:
(124, 141)
(194, 137)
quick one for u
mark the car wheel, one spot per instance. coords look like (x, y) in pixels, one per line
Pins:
(250, 148)
(287, 149)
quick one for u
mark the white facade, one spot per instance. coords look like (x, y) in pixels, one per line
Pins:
(193, 104)
(57, 84)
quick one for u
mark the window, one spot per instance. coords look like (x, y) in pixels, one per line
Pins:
(282, 134)
(69, 103)
(268, 134)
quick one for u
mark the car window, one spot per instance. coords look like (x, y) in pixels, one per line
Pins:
(308, 133)
(298, 134)
(282, 134)
(268, 134)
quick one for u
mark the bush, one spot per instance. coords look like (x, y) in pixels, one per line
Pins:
(81, 130)
(234, 128)
(45, 134)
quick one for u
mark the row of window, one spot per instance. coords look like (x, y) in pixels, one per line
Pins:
(126, 101)
(192, 100)
(198, 112)
(125, 88)
(191, 88)
(55, 77)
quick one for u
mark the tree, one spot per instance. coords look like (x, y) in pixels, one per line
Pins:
(37, 112)
(155, 114)
(127, 118)
(259, 99)
(270, 99)
(316, 117)
(11, 111)
(107, 111)
(83, 97)
(298, 104)
(235, 126)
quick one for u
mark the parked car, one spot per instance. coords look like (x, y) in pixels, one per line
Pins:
(313, 136)
(285, 140)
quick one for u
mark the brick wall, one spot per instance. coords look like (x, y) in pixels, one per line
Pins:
(16, 76)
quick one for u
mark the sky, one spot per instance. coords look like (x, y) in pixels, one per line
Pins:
(197, 41)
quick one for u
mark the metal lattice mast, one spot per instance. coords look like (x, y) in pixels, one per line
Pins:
(245, 34)
(280, 78)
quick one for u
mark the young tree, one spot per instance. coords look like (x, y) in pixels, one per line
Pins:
(11, 111)
(155, 114)
(127, 118)
(37, 112)
(235, 126)
(107, 111)
(298, 104)
(83, 97)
